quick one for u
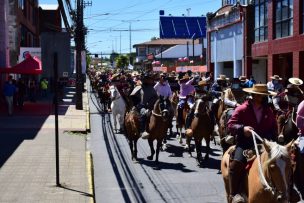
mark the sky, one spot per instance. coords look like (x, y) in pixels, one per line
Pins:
(104, 19)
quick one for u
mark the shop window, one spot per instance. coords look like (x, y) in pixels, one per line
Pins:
(283, 18)
(261, 20)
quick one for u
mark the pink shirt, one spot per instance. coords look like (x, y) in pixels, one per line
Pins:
(300, 117)
(186, 89)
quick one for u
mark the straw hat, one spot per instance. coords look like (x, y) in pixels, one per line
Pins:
(259, 89)
(202, 83)
(115, 76)
(222, 77)
(295, 81)
(276, 77)
(243, 78)
(185, 77)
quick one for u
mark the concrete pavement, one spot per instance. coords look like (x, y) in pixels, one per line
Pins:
(27, 154)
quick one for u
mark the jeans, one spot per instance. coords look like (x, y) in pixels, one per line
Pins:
(9, 101)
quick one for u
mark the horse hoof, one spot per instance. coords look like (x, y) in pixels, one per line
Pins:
(190, 155)
(164, 148)
(186, 147)
(150, 158)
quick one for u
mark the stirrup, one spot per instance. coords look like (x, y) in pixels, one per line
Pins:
(237, 199)
(145, 135)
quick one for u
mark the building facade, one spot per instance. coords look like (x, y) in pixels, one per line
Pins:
(278, 46)
(229, 40)
(23, 26)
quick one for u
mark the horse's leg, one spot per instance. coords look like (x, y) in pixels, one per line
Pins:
(188, 144)
(135, 149)
(152, 149)
(121, 121)
(198, 147)
(115, 121)
(159, 143)
(131, 148)
(207, 148)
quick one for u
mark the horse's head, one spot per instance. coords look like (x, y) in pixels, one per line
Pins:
(163, 106)
(114, 92)
(287, 128)
(201, 106)
(278, 169)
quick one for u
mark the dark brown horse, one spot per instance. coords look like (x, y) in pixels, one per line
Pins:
(158, 125)
(287, 127)
(181, 121)
(202, 127)
(298, 175)
(132, 133)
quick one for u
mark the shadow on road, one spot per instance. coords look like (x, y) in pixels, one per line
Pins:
(166, 166)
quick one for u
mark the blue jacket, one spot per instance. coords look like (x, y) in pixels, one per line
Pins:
(9, 89)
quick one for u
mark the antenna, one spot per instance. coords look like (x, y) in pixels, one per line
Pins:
(188, 11)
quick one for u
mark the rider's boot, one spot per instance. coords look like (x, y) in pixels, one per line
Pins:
(189, 119)
(236, 172)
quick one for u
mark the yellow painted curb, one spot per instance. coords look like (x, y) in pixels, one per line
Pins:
(90, 172)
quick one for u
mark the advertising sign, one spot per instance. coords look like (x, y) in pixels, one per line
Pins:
(33, 51)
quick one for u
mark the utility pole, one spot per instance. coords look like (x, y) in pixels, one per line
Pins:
(79, 47)
(130, 36)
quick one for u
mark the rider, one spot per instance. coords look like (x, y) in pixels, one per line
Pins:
(162, 87)
(254, 114)
(275, 85)
(233, 97)
(186, 89)
(144, 97)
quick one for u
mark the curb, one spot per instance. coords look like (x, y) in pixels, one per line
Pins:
(87, 109)
(90, 172)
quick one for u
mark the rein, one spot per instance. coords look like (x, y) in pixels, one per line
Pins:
(264, 182)
(156, 114)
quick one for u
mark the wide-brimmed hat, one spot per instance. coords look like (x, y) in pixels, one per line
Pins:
(203, 83)
(243, 78)
(134, 74)
(222, 77)
(185, 77)
(259, 89)
(276, 77)
(115, 76)
(295, 81)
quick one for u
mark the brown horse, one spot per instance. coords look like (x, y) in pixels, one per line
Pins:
(287, 127)
(223, 129)
(132, 133)
(158, 125)
(218, 107)
(276, 168)
(181, 121)
(202, 127)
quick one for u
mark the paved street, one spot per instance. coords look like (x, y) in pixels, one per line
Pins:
(175, 179)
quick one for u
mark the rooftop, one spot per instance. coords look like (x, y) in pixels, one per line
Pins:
(167, 42)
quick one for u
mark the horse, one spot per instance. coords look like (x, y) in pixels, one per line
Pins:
(159, 123)
(202, 127)
(118, 107)
(287, 127)
(298, 175)
(181, 121)
(132, 133)
(223, 129)
(104, 96)
(276, 169)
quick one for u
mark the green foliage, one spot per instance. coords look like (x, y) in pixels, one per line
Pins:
(122, 61)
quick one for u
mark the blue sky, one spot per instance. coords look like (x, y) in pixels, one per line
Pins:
(104, 17)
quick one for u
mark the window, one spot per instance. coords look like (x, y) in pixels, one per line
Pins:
(261, 21)
(283, 18)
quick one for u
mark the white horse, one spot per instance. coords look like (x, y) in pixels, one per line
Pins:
(118, 107)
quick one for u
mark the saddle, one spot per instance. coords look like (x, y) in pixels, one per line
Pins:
(249, 154)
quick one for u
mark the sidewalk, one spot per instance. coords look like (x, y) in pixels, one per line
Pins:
(27, 153)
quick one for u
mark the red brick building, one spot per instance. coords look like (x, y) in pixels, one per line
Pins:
(279, 37)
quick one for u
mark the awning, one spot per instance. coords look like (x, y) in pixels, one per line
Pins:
(30, 66)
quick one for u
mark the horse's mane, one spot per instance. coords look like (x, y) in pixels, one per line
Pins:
(276, 152)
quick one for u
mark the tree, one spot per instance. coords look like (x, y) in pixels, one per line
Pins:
(122, 61)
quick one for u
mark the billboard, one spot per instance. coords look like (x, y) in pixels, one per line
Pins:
(33, 51)
(183, 27)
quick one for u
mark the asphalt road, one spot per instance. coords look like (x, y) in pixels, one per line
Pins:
(177, 178)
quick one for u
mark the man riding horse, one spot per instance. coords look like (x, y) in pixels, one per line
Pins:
(185, 97)
(143, 98)
(255, 115)
(233, 97)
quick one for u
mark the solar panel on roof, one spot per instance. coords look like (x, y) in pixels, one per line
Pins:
(182, 27)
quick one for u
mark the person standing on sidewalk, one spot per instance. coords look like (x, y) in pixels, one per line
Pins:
(9, 91)
(21, 92)
(32, 90)
(44, 87)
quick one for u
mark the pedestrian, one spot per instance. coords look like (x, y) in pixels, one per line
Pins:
(9, 90)
(21, 93)
(44, 87)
